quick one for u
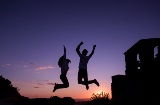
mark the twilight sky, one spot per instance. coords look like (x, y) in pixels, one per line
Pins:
(33, 32)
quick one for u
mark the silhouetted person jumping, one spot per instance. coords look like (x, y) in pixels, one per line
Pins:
(82, 73)
(63, 64)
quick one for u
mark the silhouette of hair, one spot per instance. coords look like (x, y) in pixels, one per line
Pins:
(68, 60)
(60, 61)
(84, 52)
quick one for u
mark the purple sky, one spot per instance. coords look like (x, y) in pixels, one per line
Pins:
(33, 32)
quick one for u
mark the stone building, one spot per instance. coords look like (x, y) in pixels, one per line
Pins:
(140, 84)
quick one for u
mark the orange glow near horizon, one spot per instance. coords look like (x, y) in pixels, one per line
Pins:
(47, 93)
(75, 91)
(99, 90)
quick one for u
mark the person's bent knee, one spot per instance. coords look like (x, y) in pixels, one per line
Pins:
(67, 85)
(80, 82)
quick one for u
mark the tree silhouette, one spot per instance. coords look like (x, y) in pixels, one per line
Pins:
(7, 89)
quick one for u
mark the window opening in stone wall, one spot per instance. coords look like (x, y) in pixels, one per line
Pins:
(138, 62)
(155, 52)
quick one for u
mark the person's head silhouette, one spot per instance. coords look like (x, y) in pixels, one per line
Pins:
(84, 52)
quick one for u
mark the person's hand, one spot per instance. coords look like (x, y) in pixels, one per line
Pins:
(94, 46)
(64, 47)
(81, 43)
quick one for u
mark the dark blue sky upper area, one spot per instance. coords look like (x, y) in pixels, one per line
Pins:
(91, 12)
(33, 21)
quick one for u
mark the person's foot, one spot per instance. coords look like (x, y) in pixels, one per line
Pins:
(55, 87)
(87, 87)
(96, 82)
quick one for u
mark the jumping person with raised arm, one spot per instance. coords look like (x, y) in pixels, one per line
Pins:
(63, 64)
(82, 73)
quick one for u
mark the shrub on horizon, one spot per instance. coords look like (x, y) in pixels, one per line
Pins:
(100, 99)
(7, 89)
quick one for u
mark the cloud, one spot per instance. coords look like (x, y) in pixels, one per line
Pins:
(44, 67)
(32, 63)
(30, 82)
(40, 84)
(34, 84)
(51, 83)
(6, 65)
(47, 80)
(36, 87)
(38, 67)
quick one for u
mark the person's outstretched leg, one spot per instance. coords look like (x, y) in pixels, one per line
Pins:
(85, 75)
(80, 76)
(86, 82)
(93, 81)
(65, 82)
(82, 73)
(55, 87)
(96, 82)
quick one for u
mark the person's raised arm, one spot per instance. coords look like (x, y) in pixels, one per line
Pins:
(64, 50)
(92, 51)
(64, 55)
(78, 47)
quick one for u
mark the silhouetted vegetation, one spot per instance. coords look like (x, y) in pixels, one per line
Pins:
(7, 89)
(100, 99)
(62, 101)
(9, 94)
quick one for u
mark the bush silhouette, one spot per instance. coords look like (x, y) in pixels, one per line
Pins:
(7, 89)
(100, 99)
(62, 101)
